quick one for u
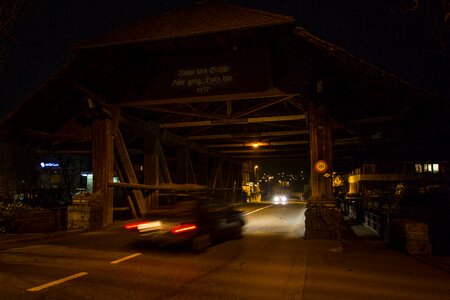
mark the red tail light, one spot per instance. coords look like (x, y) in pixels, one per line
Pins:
(184, 228)
(134, 225)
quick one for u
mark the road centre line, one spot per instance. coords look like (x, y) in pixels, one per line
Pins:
(253, 211)
(125, 258)
(56, 282)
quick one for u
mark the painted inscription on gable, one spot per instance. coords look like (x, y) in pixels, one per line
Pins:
(173, 77)
(203, 79)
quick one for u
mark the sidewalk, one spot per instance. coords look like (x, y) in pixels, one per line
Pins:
(335, 227)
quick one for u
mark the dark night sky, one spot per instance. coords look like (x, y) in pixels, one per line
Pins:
(385, 33)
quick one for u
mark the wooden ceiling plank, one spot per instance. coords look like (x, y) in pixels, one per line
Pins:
(191, 113)
(32, 133)
(234, 121)
(260, 144)
(269, 156)
(263, 151)
(248, 135)
(202, 99)
(261, 106)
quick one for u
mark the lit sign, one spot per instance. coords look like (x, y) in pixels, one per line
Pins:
(49, 165)
(321, 166)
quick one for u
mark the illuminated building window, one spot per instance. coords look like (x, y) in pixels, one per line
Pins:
(432, 168)
(435, 168)
(419, 168)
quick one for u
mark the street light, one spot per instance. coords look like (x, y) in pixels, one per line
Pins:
(255, 175)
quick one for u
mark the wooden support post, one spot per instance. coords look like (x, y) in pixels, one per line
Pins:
(164, 166)
(203, 169)
(229, 184)
(192, 178)
(325, 119)
(151, 169)
(128, 173)
(119, 172)
(238, 184)
(320, 149)
(182, 164)
(217, 171)
(314, 153)
(103, 168)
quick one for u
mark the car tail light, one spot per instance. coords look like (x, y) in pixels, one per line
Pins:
(134, 225)
(184, 228)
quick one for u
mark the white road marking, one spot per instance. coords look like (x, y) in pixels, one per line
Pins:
(251, 212)
(125, 258)
(56, 282)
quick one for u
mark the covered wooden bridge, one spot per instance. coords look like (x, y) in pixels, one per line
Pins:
(180, 101)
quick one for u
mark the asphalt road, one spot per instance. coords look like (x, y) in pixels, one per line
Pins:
(270, 261)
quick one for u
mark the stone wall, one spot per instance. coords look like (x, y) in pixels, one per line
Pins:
(45, 220)
(410, 236)
(85, 213)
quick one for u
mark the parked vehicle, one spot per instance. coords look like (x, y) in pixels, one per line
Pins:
(193, 221)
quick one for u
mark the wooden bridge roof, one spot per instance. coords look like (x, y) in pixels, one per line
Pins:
(372, 109)
(187, 21)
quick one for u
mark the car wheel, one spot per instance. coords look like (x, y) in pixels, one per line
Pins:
(201, 242)
(238, 232)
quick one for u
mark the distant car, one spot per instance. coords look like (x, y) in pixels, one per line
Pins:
(280, 199)
(190, 221)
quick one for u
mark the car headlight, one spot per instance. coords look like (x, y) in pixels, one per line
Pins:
(283, 199)
(276, 199)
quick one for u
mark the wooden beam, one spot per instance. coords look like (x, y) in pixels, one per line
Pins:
(314, 152)
(250, 151)
(182, 154)
(119, 172)
(191, 113)
(296, 104)
(269, 156)
(191, 174)
(151, 168)
(128, 170)
(32, 133)
(163, 164)
(260, 151)
(216, 173)
(248, 135)
(234, 121)
(260, 144)
(201, 99)
(72, 152)
(145, 128)
(261, 106)
(163, 186)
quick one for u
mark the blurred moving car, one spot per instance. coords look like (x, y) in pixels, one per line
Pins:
(192, 221)
(280, 199)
